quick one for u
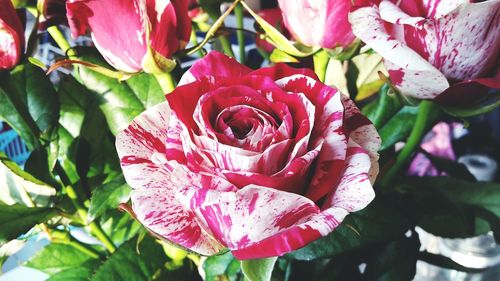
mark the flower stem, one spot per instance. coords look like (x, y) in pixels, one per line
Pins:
(218, 23)
(426, 116)
(60, 39)
(194, 41)
(238, 11)
(166, 81)
(94, 227)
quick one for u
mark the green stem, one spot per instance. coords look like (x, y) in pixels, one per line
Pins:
(194, 41)
(60, 39)
(94, 227)
(238, 11)
(81, 211)
(213, 13)
(166, 81)
(321, 60)
(427, 114)
(83, 248)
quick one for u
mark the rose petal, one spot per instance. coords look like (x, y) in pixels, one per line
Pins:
(327, 18)
(163, 18)
(327, 130)
(411, 73)
(11, 36)
(141, 150)
(354, 190)
(253, 213)
(111, 23)
(471, 26)
(281, 70)
(361, 131)
(214, 64)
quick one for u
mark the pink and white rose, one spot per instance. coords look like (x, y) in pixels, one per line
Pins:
(319, 23)
(444, 49)
(120, 28)
(11, 36)
(261, 162)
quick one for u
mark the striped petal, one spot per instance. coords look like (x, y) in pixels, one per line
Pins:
(328, 130)
(141, 148)
(410, 73)
(214, 64)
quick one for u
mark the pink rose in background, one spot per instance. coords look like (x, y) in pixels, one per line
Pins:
(445, 48)
(319, 23)
(11, 36)
(437, 143)
(261, 162)
(119, 28)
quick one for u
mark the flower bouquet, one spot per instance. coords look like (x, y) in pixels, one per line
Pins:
(162, 149)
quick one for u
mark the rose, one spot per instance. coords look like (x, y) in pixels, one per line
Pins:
(261, 162)
(11, 36)
(429, 45)
(318, 23)
(124, 30)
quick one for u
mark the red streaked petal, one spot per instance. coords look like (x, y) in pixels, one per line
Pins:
(411, 73)
(214, 64)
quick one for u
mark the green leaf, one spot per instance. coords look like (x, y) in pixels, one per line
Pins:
(396, 261)
(82, 272)
(16, 220)
(119, 101)
(221, 267)
(278, 39)
(445, 262)
(57, 257)
(376, 223)
(387, 105)
(279, 56)
(108, 196)
(120, 227)
(15, 113)
(258, 269)
(37, 94)
(133, 261)
(19, 187)
(398, 128)
(147, 89)
(85, 147)
(450, 207)
(487, 105)
(452, 168)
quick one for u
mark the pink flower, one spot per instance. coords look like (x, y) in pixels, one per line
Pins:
(261, 162)
(120, 28)
(429, 46)
(320, 23)
(11, 36)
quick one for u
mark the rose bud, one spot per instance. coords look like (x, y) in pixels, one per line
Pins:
(11, 36)
(130, 34)
(318, 23)
(260, 162)
(445, 49)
